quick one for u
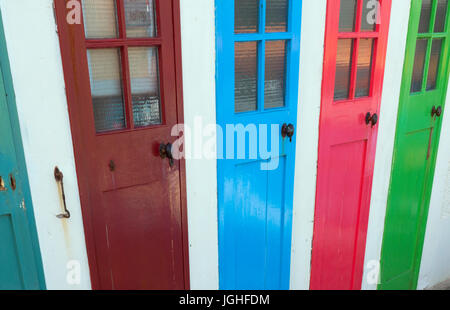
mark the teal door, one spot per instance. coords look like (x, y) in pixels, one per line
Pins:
(20, 265)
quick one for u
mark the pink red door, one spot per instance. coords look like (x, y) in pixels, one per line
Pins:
(123, 81)
(355, 48)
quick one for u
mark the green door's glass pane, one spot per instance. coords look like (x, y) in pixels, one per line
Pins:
(246, 76)
(435, 59)
(347, 16)
(276, 15)
(419, 65)
(275, 79)
(106, 89)
(246, 14)
(425, 16)
(343, 69)
(369, 15)
(100, 19)
(441, 16)
(140, 18)
(364, 67)
(144, 75)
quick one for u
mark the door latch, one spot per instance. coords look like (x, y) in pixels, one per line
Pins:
(436, 111)
(288, 131)
(371, 119)
(59, 180)
(165, 151)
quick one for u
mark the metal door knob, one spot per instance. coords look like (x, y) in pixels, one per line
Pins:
(288, 131)
(165, 151)
(436, 111)
(371, 119)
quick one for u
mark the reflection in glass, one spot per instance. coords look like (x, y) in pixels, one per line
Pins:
(347, 16)
(276, 15)
(140, 18)
(435, 59)
(246, 16)
(369, 15)
(100, 19)
(364, 67)
(275, 75)
(343, 69)
(246, 81)
(419, 65)
(441, 16)
(106, 89)
(425, 16)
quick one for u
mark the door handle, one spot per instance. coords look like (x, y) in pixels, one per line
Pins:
(165, 151)
(288, 131)
(59, 179)
(371, 119)
(436, 111)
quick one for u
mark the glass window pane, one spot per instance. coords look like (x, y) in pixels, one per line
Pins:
(343, 69)
(100, 19)
(364, 67)
(347, 16)
(435, 59)
(276, 15)
(419, 64)
(441, 16)
(246, 14)
(425, 16)
(144, 75)
(106, 89)
(275, 75)
(140, 18)
(369, 15)
(246, 80)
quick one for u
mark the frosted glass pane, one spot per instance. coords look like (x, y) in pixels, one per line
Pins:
(144, 74)
(106, 89)
(276, 15)
(100, 19)
(246, 14)
(441, 16)
(419, 64)
(364, 67)
(435, 59)
(425, 16)
(343, 69)
(347, 16)
(140, 18)
(246, 80)
(369, 16)
(274, 85)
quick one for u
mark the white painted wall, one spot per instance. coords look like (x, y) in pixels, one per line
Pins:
(35, 59)
(310, 92)
(386, 132)
(199, 86)
(435, 266)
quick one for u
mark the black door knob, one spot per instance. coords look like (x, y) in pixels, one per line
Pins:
(436, 111)
(288, 131)
(371, 119)
(165, 151)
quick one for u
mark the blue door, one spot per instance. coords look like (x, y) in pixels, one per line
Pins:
(20, 263)
(258, 50)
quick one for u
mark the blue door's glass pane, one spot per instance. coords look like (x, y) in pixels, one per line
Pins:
(419, 65)
(144, 74)
(100, 19)
(364, 67)
(441, 16)
(246, 14)
(435, 60)
(425, 16)
(106, 89)
(275, 79)
(343, 69)
(246, 79)
(276, 15)
(347, 16)
(140, 18)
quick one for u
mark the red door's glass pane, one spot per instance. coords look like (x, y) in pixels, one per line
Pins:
(435, 59)
(140, 18)
(144, 74)
(347, 16)
(276, 15)
(369, 15)
(364, 67)
(343, 69)
(419, 65)
(246, 14)
(100, 19)
(425, 16)
(441, 16)
(106, 89)
(246, 80)
(274, 85)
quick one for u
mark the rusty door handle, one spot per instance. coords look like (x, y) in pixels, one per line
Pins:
(59, 180)
(436, 111)
(371, 119)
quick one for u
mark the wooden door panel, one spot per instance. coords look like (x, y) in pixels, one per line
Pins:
(11, 277)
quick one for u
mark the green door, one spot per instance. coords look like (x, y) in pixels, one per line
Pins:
(423, 93)
(20, 264)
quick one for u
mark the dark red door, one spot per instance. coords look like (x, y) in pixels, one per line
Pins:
(121, 66)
